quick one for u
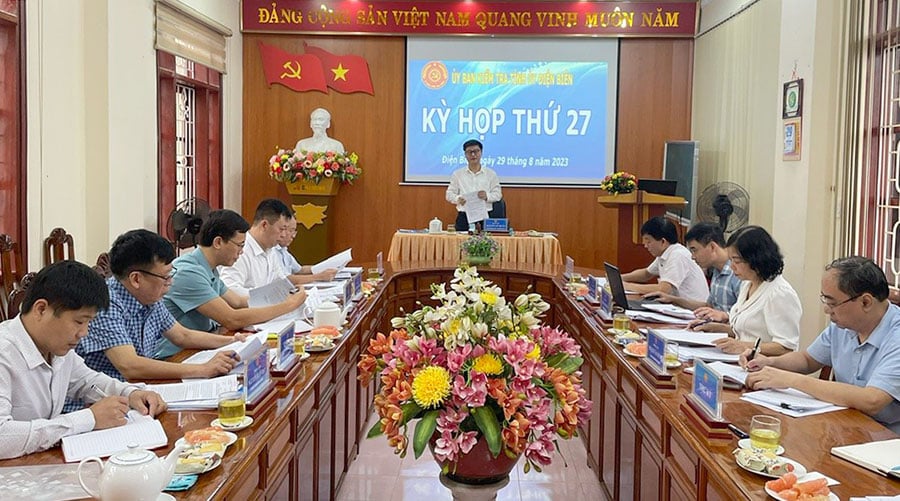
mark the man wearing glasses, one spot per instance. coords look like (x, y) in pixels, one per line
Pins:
(123, 338)
(474, 178)
(861, 344)
(199, 300)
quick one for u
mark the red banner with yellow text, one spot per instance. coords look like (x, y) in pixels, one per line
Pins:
(564, 18)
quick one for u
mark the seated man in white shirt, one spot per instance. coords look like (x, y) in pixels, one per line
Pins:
(299, 274)
(260, 264)
(38, 368)
(472, 179)
(678, 274)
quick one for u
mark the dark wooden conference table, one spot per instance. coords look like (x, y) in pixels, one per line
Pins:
(639, 442)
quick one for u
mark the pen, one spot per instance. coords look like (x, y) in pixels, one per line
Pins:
(739, 433)
(753, 352)
(796, 408)
(99, 391)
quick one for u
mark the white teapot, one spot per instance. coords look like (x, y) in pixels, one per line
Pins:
(134, 475)
(435, 226)
(328, 313)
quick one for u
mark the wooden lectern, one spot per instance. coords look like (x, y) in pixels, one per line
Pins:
(634, 209)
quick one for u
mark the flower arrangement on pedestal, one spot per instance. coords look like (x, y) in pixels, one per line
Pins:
(480, 248)
(289, 166)
(473, 368)
(619, 182)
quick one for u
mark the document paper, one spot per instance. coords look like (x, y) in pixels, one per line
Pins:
(790, 402)
(273, 293)
(336, 262)
(476, 208)
(147, 433)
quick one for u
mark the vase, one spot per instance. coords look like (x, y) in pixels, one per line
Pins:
(478, 260)
(478, 466)
(326, 187)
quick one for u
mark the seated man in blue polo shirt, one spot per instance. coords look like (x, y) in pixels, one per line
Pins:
(122, 339)
(199, 299)
(862, 345)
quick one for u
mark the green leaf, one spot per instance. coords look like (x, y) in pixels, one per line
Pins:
(571, 364)
(375, 431)
(411, 410)
(490, 428)
(556, 359)
(424, 429)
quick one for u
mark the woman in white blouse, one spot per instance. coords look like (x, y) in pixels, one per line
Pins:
(767, 307)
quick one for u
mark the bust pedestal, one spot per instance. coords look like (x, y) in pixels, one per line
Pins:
(310, 203)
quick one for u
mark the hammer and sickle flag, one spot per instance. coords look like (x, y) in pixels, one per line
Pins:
(299, 72)
(347, 73)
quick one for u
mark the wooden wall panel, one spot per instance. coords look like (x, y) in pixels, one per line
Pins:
(654, 105)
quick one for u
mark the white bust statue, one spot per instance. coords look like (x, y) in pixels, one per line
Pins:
(319, 121)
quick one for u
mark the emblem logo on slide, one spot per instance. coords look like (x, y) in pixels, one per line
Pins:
(434, 75)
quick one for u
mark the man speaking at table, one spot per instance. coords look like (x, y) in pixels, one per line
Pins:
(473, 179)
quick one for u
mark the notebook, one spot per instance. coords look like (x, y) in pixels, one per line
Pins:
(618, 290)
(143, 431)
(880, 457)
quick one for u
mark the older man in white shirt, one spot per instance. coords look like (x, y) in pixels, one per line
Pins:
(678, 274)
(38, 368)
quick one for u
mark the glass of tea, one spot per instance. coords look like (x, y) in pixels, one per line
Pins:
(671, 356)
(232, 408)
(765, 432)
(621, 322)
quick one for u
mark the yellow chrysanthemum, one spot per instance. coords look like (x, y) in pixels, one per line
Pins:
(488, 298)
(488, 364)
(431, 386)
(453, 326)
(535, 353)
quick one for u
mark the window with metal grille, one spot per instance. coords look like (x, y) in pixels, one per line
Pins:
(190, 134)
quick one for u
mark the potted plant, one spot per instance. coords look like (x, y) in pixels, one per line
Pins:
(480, 249)
(619, 182)
(314, 167)
(484, 379)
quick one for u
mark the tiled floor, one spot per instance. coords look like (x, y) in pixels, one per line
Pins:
(379, 475)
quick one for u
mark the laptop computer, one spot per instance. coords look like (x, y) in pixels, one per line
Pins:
(618, 290)
(658, 186)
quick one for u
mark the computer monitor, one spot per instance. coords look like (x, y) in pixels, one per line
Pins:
(658, 186)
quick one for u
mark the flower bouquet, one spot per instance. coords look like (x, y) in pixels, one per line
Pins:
(619, 182)
(480, 248)
(473, 368)
(290, 166)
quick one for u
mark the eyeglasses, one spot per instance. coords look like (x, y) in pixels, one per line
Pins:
(473, 152)
(164, 278)
(832, 305)
(239, 244)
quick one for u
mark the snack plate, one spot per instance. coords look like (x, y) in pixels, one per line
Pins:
(744, 443)
(245, 423)
(215, 464)
(831, 496)
(630, 354)
(232, 438)
(317, 349)
(799, 469)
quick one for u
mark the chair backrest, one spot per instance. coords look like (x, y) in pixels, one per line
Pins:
(18, 294)
(10, 270)
(498, 209)
(102, 266)
(59, 246)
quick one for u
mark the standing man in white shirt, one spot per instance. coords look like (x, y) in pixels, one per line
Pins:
(38, 367)
(472, 179)
(678, 274)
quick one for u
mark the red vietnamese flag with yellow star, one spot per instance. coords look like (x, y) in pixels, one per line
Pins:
(346, 73)
(300, 72)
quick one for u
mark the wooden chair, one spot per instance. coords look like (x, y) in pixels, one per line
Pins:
(59, 246)
(102, 266)
(18, 295)
(11, 271)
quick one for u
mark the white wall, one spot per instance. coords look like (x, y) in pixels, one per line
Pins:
(740, 68)
(92, 126)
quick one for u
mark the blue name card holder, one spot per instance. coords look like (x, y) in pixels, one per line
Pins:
(653, 370)
(703, 405)
(496, 225)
